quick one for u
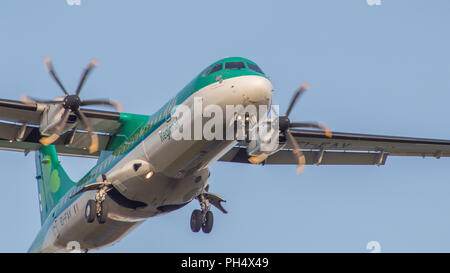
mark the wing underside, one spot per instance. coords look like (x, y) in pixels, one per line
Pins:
(19, 129)
(346, 149)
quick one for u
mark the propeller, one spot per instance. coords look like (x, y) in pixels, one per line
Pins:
(286, 125)
(71, 104)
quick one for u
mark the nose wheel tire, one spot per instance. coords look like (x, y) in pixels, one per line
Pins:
(196, 220)
(89, 212)
(200, 221)
(208, 223)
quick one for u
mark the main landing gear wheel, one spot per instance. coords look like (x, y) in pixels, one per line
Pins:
(196, 220)
(89, 212)
(96, 210)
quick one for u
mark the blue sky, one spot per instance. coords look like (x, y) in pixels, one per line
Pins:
(372, 69)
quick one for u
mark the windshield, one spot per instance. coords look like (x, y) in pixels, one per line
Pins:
(235, 65)
(254, 67)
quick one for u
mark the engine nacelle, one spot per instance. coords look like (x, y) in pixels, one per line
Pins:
(265, 141)
(51, 116)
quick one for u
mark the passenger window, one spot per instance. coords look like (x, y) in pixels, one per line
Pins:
(216, 68)
(254, 67)
(235, 65)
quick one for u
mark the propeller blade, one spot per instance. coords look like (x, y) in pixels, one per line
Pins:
(30, 100)
(112, 103)
(93, 63)
(94, 138)
(297, 152)
(327, 131)
(48, 64)
(59, 127)
(27, 100)
(297, 94)
(48, 140)
(258, 159)
(65, 116)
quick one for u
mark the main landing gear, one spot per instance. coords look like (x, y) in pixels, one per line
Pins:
(203, 219)
(97, 208)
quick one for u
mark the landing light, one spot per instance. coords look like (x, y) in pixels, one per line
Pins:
(149, 175)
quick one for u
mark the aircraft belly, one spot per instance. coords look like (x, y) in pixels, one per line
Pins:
(161, 192)
(70, 231)
(158, 194)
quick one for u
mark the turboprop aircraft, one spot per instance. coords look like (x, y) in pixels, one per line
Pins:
(144, 171)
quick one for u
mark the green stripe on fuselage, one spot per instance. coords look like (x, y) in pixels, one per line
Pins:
(201, 81)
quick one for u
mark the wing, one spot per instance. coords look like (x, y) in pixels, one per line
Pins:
(346, 149)
(20, 122)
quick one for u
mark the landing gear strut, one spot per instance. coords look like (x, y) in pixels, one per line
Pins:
(204, 219)
(97, 208)
(101, 208)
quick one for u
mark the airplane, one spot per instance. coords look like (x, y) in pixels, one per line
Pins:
(142, 172)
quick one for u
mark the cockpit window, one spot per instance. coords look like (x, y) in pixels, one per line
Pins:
(206, 71)
(254, 67)
(216, 68)
(235, 65)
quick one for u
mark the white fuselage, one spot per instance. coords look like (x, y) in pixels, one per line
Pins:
(180, 173)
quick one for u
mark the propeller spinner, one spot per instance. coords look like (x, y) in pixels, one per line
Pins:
(71, 105)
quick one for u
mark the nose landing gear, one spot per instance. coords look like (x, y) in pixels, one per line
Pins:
(204, 219)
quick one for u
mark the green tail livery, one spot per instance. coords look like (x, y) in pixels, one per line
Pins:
(53, 181)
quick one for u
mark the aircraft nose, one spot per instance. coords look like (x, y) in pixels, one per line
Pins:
(258, 90)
